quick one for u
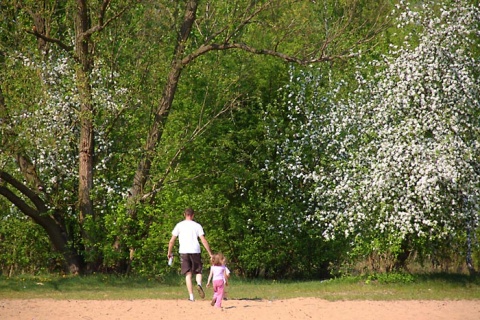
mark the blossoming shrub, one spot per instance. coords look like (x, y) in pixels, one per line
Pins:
(395, 164)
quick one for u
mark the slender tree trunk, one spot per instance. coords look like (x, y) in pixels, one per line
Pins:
(86, 112)
(161, 114)
(86, 143)
(469, 259)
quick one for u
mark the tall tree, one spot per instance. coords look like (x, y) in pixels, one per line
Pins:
(81, 53)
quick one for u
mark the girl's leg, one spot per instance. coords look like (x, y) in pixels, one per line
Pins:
(214, 298)
(219, 285)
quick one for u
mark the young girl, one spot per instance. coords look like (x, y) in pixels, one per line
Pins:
(218, 273)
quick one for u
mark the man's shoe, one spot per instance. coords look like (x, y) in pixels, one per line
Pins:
(200, 291)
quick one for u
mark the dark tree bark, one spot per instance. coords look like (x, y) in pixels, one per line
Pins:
(39, 213)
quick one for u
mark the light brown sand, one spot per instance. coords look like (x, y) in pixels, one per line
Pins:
(300, 308)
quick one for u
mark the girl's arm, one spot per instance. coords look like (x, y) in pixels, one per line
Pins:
(226, 275)
(210, 277)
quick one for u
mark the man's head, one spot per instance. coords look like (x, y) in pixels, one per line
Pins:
(189, 213)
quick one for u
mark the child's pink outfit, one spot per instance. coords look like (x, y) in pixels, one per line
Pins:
(218, 281)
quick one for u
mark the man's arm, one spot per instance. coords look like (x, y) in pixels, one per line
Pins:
(206, 245)
(171, 243)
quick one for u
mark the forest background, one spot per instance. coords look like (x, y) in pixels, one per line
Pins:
(312, 138)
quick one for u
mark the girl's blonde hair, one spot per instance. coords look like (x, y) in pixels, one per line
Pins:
(218, 259)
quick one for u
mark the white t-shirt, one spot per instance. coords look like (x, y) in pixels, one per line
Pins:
(188, 232)
(218, 272)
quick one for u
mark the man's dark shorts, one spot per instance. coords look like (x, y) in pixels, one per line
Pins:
(191, 262)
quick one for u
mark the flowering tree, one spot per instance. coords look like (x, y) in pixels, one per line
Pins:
(45, 143)
(57, 108)
(398, 165)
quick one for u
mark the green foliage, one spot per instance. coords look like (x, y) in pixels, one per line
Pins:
(214, 147)
(25, 248)
(387, 278)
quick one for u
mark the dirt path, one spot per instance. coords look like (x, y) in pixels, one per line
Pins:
(301, 308)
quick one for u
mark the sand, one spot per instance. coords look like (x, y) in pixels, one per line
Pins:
(299, 308)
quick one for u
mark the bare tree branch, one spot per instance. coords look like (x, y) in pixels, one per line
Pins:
(97, 28)
(103, 9)
(49, 39)
(248, 19)
(287, 58)
(101, 25)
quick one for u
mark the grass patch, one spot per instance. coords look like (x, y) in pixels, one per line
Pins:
(373, 287)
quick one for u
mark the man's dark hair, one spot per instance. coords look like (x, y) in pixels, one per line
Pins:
(189, 212)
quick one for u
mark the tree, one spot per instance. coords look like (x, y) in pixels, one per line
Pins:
(66, 113)
(75, 222)
(403, 152)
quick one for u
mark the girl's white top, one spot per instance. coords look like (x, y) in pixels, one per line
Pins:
(218, 272)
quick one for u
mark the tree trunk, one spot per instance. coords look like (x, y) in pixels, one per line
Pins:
(86, 112)
(39, 213)
(86, 143)
(161, 113)
(469, 259)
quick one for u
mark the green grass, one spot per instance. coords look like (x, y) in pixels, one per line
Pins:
(380, 287)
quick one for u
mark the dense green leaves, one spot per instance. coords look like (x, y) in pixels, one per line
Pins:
(174, 122)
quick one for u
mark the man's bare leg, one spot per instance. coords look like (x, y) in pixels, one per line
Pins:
(188, 280)
(198, 277)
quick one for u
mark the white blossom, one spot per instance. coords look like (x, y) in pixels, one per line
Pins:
(400, 154)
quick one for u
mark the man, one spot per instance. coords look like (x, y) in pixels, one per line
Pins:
(188, 231)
